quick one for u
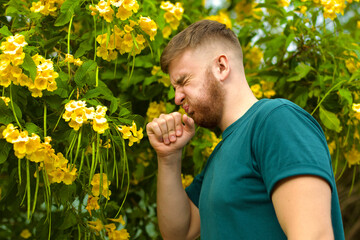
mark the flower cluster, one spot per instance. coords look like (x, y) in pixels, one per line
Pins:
(110, 228)
(120, 40)
(356, 109)
(123, 39)
(47, 7)
(25, 233)
(245, 9)
(6, 100)
(253, 57)
(163, 78)
(10, 72)
(155, 109)
(70, 59)
(173, 14)
(187, 180)
(131, 133)
(12, 56)
(144, 157)
(214, 140)
(265, 89)
(283, 3)
(352, 62)
(45, 77)
(332, 7)
(92, 204)
(78, 114)
(56, 165)
(353, 156)
(222, 17)
(100, 181)
(125, 9)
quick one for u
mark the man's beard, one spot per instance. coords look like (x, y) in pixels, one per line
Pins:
(207, 111)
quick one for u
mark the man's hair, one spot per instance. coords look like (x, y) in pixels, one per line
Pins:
(195, 35)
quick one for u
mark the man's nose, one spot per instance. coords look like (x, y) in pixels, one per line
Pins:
(179, 96)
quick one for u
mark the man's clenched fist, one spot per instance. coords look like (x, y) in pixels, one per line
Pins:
(169, 133)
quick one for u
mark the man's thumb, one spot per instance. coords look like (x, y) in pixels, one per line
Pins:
(189, 123)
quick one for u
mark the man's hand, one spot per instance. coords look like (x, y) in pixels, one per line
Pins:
(168, 135)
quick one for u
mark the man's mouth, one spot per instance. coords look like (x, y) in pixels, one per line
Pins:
(186, 108)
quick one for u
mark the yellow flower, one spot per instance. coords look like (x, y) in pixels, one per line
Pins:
(123, 14)
(6, 100)
(166, 32)
(148, 26)
(11, 133)
(255, 88)
(126, 131)
(95, 182)
(92, 204)
(69, 176)
(223, 18)
(155, 70)
(57, 175)
(356, 107)
(119, 235)
(37, 6)
(96, 225)
(110, 227)
(332, 147)
(303, 10)
(131, 5)
(155, 109)
(358, 24)
(25, 233)
(118, 220)
(353, 156)
(187, 180)
(284, 3)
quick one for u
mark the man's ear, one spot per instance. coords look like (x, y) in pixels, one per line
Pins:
(222, 67)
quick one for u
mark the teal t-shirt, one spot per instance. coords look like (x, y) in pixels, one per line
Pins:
(273, 140)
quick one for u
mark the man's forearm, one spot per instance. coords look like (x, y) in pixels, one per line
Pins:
(173, 209)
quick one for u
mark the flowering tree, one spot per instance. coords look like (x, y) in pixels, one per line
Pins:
(80, 79)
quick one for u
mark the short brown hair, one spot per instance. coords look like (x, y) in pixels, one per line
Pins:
(195, 35)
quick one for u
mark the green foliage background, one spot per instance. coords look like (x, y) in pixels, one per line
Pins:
(305, 57)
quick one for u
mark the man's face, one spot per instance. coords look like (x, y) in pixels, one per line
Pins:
(197, 89)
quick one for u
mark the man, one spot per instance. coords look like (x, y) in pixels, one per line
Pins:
(269, 178)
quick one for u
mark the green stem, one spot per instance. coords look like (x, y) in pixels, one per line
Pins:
(327, 93)
(45, 114)
(36, 190)
(68, 45)
(81, 162)
(13, 109)
(77, 149)
(28, 190)
(353, 181)
(19, 170)
(97, 77)
(128, 178)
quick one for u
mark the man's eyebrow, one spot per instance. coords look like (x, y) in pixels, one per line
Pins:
(181, 79)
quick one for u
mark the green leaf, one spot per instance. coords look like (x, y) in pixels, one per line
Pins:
(67, 10)
(6, 115)
(84, 47)
(346, 95)
(69, 221)
(80, 74)
(30, 66)
(302, 70)
(33, 128)
(5, 31)
(4, 150)
(330, 120)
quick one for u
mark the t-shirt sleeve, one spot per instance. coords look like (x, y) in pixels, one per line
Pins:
(289, 142)
(193, 190)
